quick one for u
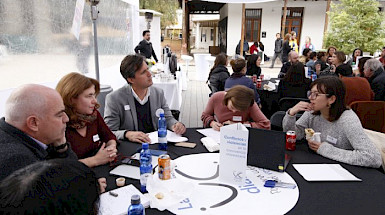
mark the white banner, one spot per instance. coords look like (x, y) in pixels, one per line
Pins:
(78, 16)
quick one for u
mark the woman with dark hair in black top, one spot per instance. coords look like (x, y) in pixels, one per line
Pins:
(218, 74)
(294, 84)
(254, 65)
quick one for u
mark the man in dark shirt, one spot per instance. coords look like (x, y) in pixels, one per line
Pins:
(374, 71)
(33, 128)
(130, 111)
(293, 59)
(145, 47)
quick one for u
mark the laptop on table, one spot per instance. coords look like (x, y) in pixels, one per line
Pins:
(266, 149)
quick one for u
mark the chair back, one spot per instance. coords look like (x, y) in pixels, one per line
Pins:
(288, 102)
(371, 114)
(276, 120)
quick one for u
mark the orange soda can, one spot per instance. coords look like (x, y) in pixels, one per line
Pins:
(164, 168)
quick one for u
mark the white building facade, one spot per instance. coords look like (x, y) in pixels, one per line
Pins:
(305, 17)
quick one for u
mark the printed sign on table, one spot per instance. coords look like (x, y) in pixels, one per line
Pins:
(233, 154)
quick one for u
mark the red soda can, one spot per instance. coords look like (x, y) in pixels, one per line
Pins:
(261, 76)
(254, 78)
(164, 168)
(290, 140)
(259, 83)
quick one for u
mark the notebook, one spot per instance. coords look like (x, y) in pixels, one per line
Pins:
(266, 149)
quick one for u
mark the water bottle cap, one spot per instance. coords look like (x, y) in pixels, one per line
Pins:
(161, 115)
(144, 145)
(135, 199)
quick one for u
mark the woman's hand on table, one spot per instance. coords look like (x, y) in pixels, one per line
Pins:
(215, 125)
(300, 106)
(104, 156)
(137, 136)
(178, 128)
(102, 184)
(313, 145)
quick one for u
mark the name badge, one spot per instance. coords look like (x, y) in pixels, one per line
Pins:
(331, 139)
(127, 107)
(237, 119)
(96, 138)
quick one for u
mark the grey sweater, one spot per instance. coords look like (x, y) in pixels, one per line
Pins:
(351, 145)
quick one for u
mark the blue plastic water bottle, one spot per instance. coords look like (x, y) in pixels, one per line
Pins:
(145, 166)
(135, 208)
(162, 132)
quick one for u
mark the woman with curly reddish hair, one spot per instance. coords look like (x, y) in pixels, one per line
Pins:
(89, 136)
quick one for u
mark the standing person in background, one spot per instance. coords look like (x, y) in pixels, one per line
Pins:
(218, 74)
(308, 44)
(90, 138)
(84, 49)
(254, 65)
(357, 52)
(245, 47)
(293, 42)
(278, 45)
(329, 54)
(145, 47)
(286, 49)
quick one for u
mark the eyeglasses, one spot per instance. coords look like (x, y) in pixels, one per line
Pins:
(314, 95)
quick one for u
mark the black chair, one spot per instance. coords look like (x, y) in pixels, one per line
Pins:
(276, 120)
(288, 102)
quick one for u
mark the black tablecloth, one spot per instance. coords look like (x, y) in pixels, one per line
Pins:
(269, 99)
(366, 197)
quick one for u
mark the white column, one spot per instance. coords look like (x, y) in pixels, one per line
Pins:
(197, 36)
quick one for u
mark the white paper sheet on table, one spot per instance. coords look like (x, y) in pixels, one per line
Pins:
(324, 172)
(210, 132)
(171, 137)
(110, 205)
(131, 171)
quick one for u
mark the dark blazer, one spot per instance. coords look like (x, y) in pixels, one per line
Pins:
(18, 150)
(120, 111)
(377, 83)
(285, 51)
(145, 48)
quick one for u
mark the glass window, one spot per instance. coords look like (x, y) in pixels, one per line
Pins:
(252, 24)
(37, 46)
